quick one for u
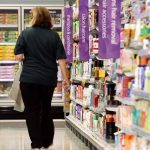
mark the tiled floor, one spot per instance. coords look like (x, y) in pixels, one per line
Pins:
(14, 136)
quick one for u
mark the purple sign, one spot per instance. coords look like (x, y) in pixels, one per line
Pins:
(68, 33)
(109, 27)
(84, 30)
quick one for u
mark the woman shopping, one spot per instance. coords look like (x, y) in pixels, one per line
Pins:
(40, 48)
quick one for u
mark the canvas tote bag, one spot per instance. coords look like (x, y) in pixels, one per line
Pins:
(15, 93)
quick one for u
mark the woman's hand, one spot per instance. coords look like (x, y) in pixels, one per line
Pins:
(20, 57)
(66, 84)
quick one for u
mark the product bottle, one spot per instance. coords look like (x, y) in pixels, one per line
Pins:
(146, 79)
(96, 70)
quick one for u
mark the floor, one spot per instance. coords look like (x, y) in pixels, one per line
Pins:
(14, 136)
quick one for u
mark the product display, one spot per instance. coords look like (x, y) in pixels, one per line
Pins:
(12, 21)
(9, 31)
(108, 57)
(119, 87)
(133, 75)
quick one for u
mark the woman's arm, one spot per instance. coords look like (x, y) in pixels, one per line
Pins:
(62, 64)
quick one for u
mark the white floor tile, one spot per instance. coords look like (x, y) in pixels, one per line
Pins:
(14, 136)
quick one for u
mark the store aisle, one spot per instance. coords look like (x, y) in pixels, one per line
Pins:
(13, 136)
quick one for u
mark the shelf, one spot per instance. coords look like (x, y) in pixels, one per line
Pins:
(136, 45)
(135, 130)
(98, 141)
(144, 15)
(6, 80)
(82, 79)
(96, 110)
(3, 95)
(9, 62)
(141, 132)
(6, 103)
(114, 109)
(78, 101)
(128, 130)
(57, 26)
(57, 104)
(7, 43)
(8, 26)
(57, 95)
(126, 100)
(124, 21)
(141, 94)
(130, 74)
(144, 53)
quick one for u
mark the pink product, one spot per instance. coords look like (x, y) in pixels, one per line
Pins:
(6, 69)
(122, 35)
(6, 77)
(7, 72)
(124, 92)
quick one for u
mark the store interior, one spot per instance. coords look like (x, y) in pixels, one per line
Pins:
(107, 45)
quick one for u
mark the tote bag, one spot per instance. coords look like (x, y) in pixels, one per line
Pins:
(15, 93)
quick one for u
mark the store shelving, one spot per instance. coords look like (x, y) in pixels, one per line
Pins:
(7, 103)
(83, 80)
(96, 110)
(8, 62)
(144, 15)
(141, 94)
(98, 141)
(112, 108)
(135, 130)
(128, 130)
(3, 95)
(144, 53)
(8, 26)
(10, 29)
(6, 80)
(130, 74)
(126, 100)
(78, 101)
(7, 43)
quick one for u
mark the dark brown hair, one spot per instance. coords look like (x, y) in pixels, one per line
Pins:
(41, 17)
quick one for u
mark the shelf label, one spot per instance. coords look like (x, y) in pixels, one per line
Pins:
(109, 27)
(84, 30)
(68, 33)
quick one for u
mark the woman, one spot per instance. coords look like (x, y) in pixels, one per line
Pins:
(40, 48)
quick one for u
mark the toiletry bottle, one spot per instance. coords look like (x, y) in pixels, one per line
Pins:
(96, 70)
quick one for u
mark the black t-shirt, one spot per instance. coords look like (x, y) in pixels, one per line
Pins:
(41, 48)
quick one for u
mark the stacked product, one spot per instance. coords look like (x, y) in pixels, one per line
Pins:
(8, 36)
(8, 18)
(7, 72)
(90, 92)
(133, 78)
(7, 53)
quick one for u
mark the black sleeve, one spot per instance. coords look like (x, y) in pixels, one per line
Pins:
(60, 51)
(20, 45)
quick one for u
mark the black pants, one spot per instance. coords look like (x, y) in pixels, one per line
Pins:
(37, 100)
